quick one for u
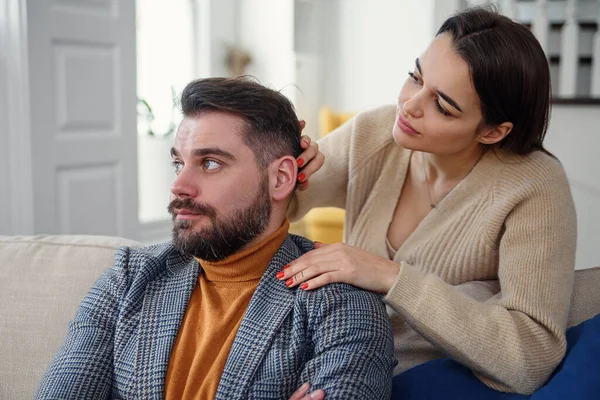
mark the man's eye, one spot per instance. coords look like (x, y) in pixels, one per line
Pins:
(211, 165)
(177, 165)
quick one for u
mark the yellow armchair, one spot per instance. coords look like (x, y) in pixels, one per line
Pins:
(326, 224)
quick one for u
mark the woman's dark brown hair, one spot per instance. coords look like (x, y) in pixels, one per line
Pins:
(510, 73)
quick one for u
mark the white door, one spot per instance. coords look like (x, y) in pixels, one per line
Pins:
(83, 116)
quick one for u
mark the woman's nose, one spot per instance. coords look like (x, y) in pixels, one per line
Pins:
(413, 105)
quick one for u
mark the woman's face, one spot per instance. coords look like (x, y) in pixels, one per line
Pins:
(438, 108)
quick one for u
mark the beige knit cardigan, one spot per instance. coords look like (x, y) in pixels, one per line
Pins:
(486, 278)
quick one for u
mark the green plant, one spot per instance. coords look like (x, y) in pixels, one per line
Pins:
(145, 112)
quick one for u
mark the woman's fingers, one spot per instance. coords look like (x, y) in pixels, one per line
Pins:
(320, 281)
(295, 277)
(303, 276)
(302, 124)
(309, 161)
(303, 186)
(310, 151)
(307, 267)
(313, 166)
(305, 141)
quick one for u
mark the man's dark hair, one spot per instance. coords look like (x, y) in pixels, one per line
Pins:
(272, 130)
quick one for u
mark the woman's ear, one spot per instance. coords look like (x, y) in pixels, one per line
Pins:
(495, 134)
(283, 178)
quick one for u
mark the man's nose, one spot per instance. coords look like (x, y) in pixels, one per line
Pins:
(184, 185)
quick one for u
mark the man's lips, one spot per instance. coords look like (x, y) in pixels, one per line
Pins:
(184, 211)
(185, 214)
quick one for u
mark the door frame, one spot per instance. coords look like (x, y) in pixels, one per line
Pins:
(17, 123)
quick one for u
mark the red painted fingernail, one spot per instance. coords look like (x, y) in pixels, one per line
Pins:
(302, 177)
(289, 282)
(280, 275)
(304, 286)
(287, 266)
(300, 162)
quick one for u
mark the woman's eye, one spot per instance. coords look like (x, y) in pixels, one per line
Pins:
(413, 77)
(177, 165)
(441, 109)
(211, 165)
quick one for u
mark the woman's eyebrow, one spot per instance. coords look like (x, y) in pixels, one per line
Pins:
(443, 95)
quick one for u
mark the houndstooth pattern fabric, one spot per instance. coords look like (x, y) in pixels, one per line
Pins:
(119, 343)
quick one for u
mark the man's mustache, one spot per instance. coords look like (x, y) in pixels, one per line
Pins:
(190, 205)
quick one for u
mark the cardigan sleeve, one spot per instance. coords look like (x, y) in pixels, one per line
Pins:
(82, 368)
(514, 340)
(352, 344)
(346, 149)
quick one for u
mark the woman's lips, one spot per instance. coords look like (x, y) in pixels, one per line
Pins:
(405, 126)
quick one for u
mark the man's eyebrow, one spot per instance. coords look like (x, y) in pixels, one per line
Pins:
(212, 151)
(443, 95)
(207, 151)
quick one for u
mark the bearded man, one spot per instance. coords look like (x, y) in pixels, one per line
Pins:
(204, 316)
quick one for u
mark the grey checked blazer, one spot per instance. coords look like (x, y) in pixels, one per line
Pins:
(118, 346)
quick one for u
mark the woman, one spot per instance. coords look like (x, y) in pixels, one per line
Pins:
(459, 216)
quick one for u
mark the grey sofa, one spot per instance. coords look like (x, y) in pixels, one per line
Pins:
(44, 278)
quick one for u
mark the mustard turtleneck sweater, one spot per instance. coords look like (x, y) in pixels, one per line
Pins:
(215, 311)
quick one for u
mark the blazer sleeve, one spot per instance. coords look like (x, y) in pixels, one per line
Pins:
(83, 366)
(353, 346)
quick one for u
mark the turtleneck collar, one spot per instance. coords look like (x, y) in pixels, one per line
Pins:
(248, 264)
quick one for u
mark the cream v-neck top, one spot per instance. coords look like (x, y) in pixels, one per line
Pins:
(486, 277)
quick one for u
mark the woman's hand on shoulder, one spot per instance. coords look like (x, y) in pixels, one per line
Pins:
(340, 262)
(310, 160)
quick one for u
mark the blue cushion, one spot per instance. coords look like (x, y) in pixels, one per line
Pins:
(577, 377)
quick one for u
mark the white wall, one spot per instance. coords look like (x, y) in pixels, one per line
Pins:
(164, 60)
(573, 137)
(266, 30)
(377, 44)
(358, 59)
(442, 10)
(216, 25)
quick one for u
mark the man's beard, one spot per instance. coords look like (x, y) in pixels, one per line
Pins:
(225, 236)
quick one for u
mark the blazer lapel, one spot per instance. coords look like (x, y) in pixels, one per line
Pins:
(164, 304)
(268, 308)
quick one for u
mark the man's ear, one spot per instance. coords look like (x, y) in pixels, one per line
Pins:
(495, 134)
(284, 172)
